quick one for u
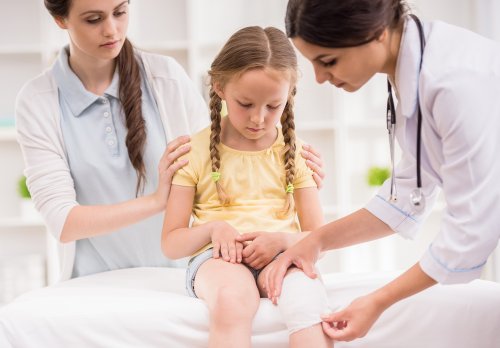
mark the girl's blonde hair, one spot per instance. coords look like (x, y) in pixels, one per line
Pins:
(247, 49)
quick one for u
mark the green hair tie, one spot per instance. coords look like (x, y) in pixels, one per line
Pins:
(215, 176)
(289, 188)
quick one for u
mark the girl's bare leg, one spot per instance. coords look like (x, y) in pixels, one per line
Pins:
(233, 299)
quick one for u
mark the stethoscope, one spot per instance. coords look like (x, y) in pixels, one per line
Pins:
(417, 198)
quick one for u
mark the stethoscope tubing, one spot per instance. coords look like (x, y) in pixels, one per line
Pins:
(416, 195)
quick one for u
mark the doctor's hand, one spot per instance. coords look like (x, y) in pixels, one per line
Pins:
(303, 255)
(261, 247)
(225, 245)
(314, 162)
(167, 168)
(354, 321)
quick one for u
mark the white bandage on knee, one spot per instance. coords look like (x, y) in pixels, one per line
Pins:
(302, 301)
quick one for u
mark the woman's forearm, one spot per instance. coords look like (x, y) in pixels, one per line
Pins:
(409, 283)
(358, 227)
(182, 242)
(89, 221)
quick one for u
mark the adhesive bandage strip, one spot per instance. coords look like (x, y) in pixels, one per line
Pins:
(302, 301)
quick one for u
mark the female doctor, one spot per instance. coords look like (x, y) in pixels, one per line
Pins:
(94, 129)
(447, 123)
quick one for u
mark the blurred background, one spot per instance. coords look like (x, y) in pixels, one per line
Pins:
(348, 129)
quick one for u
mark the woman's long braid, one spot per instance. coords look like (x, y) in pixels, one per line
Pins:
(288, 129)
(130, 96)
(215, 127)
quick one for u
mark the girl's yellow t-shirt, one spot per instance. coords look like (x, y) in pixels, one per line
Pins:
(254, 180)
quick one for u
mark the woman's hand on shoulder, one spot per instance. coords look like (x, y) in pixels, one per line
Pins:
(167, 167)
(225, 244)
(314, 162)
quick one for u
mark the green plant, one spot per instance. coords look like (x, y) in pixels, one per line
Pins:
(22, 188)
(377, 175)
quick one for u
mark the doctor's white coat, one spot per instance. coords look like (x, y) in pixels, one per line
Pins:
(459, 92)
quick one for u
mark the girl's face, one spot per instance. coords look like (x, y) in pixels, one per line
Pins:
(97, 28)
(255, 103)
(347, 68)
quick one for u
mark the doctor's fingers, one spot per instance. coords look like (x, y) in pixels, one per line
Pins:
(274, 278)
(339, 331)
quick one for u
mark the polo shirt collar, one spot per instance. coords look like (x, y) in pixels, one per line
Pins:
(72, 88)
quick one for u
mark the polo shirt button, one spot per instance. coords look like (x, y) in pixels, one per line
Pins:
(111, 142)
(108, 129)
(106, 114)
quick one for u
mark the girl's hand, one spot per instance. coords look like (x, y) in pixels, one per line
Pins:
(314, 162)
(225, 244)
(354, 321)
(261, 247)
(167, 168)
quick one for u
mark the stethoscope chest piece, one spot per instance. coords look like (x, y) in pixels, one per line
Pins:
(417, 199)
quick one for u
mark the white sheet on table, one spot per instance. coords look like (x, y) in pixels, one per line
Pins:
(147, 307)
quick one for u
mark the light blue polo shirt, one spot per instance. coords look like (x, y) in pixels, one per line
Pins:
(94, 131)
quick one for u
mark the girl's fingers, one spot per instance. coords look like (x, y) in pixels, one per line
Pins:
(224, 251)
(239, 252)
(248, 250)
(232, 252)
(216, 250)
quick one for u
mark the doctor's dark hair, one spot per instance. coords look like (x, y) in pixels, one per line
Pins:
(130, 94)
(342, 23)
(255, 48)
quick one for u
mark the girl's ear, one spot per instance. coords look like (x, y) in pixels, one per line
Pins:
(61, 22)
(219, 91)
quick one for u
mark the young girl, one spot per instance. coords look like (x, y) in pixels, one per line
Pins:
(245, 175)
